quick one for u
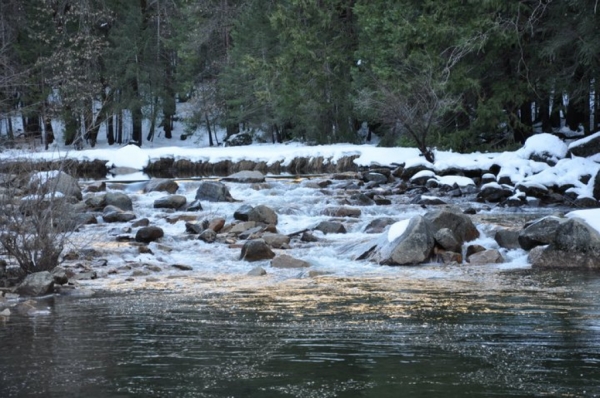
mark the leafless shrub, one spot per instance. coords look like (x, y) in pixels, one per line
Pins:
(36, 216)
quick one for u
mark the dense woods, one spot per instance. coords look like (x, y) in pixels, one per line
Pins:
(456, 74)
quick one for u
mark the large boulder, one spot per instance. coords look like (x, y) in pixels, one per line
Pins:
(256, 250)
(56, 181)
(36, 284)
(540, 232)
(213, 191)
(493, 192)
(161, 185)
(452, 218)
(575, 245)
(407, 242)
(112, 214)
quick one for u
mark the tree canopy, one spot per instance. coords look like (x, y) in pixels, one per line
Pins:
(459, 74)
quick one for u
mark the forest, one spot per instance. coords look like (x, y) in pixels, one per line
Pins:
(459, 74)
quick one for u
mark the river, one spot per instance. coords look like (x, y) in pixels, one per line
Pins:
(356, 330)
(485, 333)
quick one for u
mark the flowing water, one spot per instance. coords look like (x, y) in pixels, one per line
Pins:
(357, 330)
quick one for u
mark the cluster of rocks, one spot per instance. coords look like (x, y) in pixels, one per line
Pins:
(441, 234)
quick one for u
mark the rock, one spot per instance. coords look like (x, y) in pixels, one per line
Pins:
(114, 214)
(307, 236)
(472, 249)
(375, 177)
(491, 256)
(118, 199)
(239, 139)
(575, 235)
(216, 224)
(586, 147)
(144, 222)
(585, 203)
(256, 250)
(36, 284)
(182, 267)
(170, 202)
(331, 227)
(378, 225)
(96, 202)
(242, 213)
(208, 236)
(422, 177)
(413, 245)
(195, 206)
(494, 193)
(60, 275)
(507, 238)
(161, 185)
(193, 228)
(263, 214)
(257, 271)
(278, 241)
(149, 234)
(596, 191)
(452, 218)
(246, 176)
(410, 171)
(449, 257)
(51, 182)
(540, 232)
(446, 239)
(242, 227)
(285, 261)
(213, 191)
(96, 186)
(342, 211)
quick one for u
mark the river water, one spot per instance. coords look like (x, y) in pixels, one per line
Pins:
(500, 333)
(357, 330)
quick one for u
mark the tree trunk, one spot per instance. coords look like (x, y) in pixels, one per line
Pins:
(48, 133)
(544, 115)
(110, 130)
(120, 127)
(575, 114)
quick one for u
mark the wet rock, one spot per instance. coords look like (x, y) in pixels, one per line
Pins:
(472, 249)
(411, 171)
(182, 267)
(491, 256)
(540, 232)
(193, 228)
(507, 238)
(413, 246)
(278, 241)
(331, 227)
(208, 236)
(60, 275)
(449, 257)
(246, 176)
(375, 177)
(242, 227)
(118, 199)
(216, 224)
(36, 284)
(263, 214)
(452, 218)
(575, 235)
(113, 214)
(427, 200)
(342, 211)
(143, 222)
(446, 239)
(257, 271)
(243, 212)
(170, 202)
(149, 234)
(256, 250)
(378, 225)
(196, 205)
(285, 261)
(161, 185)
(96, 186)
(307, 236)
(585, 203)
(213, 191)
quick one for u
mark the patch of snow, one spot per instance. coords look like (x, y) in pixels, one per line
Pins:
(397, 229)
(590, 216)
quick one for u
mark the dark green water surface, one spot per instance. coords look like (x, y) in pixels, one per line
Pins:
(510, 333)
